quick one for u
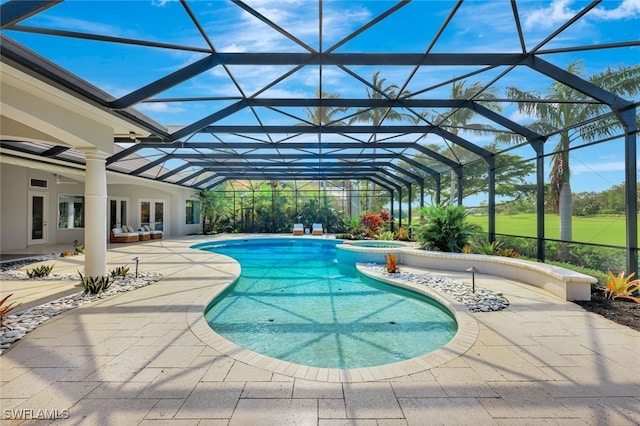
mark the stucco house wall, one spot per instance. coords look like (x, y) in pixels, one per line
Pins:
(14, 202)
(13, 205)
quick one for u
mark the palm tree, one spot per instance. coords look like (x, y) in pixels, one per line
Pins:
(324, 115)
(561, 116)
(320, 116)
(376, 115)
(460, 118)
(215, 207)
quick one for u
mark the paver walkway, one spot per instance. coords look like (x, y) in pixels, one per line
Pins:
(133, 359)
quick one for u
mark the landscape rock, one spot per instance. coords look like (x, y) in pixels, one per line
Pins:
(483, 300)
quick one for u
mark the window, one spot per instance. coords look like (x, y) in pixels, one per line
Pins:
(37, 183)
(70, 211)
(192, 212)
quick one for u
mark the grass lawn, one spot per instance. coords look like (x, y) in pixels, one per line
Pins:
(593, 229)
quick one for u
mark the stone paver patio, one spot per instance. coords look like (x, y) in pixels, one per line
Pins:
(135, 359)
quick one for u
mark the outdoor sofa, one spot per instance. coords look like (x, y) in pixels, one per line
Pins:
(154, 234)
(124, 234)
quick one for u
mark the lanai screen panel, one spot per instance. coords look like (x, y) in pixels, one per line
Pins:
(382, 90)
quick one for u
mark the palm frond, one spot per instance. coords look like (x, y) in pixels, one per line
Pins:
(623, 81)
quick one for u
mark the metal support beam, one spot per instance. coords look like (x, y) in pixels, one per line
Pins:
(492, 200)
(54, 151)
(175, 171)
(628, 119)
(538, 146)
(459, 188)
(148, 166)
(212, 118)
(616, 103)
(409, 206)
(392, 209)
(399, 207)
(166, 82)
(124, 153)
(12, 12)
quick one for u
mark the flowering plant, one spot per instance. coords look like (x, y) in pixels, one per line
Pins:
(371, 221)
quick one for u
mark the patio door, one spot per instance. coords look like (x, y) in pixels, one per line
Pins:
(37, 218)
(118, 212)
(152, 214)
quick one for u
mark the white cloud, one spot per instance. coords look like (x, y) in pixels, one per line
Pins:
(520, 117)
(82, 25)
(560, 11)
(251, 79)
(628, 9)
(236, 48)
(161, 3)
(303, 24)
(160, 107)
(557, 12)
(248, 34)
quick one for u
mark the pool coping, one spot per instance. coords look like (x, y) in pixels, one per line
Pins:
(462, 341)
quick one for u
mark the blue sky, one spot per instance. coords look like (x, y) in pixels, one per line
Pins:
(478, 26)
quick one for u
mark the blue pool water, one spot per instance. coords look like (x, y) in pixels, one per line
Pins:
(294, 302)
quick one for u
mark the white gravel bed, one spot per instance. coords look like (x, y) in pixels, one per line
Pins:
(482, 300)
(17, 324)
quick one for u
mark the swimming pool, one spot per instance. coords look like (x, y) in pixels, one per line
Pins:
(294, 302)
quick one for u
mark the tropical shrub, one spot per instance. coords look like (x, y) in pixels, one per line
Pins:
(385, 235)
(78, 248)
(620, 287)
(444, 229)
(491, 248)
(215, 208)
(95, 285)
(5, 307)
(589, 257)
(119, 271)
(402, 234)
(344, 237)
(602, 258)
(40, 271)
(371, 222)
(392, 263)
(508, 252)
(524, 246)
(351, 223)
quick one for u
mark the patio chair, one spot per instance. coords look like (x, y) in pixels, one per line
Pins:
(316, 229)
(298, 229)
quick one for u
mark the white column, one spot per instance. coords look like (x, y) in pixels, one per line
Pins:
(95, 218)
